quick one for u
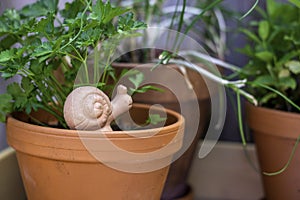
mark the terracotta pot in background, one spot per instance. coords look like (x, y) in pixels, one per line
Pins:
(275, 133)
(176, 185)
(55, 164)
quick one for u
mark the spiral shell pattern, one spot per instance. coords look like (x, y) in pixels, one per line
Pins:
(87, 108)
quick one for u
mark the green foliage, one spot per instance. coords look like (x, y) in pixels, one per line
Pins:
(155, 119)
(36, 44)
(296, 2)
(128, 21)
(104, 12)
(205, 26)
(274, 54)
(137, 79)
(5, 105)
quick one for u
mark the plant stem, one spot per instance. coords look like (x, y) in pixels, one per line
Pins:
(83, 61)
(58, 87)
(288, 162)
(279, 93)
(240, 119)
(81, 26)
(197, 18)
(172, 22)
(111, 51)
(181, 21)
(250, 10)
(96, 64)
(57, 116)
(204, 72)
(211, 59)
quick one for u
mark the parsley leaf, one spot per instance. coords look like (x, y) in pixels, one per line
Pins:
(5, 106)
(104, 12)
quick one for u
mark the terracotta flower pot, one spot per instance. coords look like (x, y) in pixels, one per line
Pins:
(176, 185)
(275, 134)
(57, 164)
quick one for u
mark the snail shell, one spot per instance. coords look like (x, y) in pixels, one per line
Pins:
(87, 108)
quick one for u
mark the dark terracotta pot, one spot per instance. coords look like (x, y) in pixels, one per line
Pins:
(275, 133)
(176, 185)
(55, 163)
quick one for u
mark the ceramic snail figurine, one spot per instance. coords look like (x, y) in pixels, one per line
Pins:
(88, 108)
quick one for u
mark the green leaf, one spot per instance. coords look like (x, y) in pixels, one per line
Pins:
(104, 12)
(40, 8)
(295, 2)
(264, 56)
(27, 85)
(287, 57)
(50, 4)
(112, 73)
(12, 14)
(146, 88)
(3, 27)
(2, 117)
(14, 89)
(44, 49)
(247, 50)
(284, 73)
(36, 68)
(251, 35)
(46, 25)
(20, 99)
(127, 23)
(263, 29)
(72, 9)
(267, 97)
(271, 7)
(58, 43)
(287, 83)
(293, 66)
(155, 119)
(9, 70)
(265, 79)
(7, 55)
(34, 10)
(7, 41)
(5, 106)
(7, 75)
(137, 79)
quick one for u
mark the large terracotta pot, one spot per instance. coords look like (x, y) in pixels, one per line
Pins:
(176, 185)
(275, 134)
(55, 163)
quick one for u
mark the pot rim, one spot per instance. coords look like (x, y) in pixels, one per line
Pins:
(273, 110)
(71, 145)
(112, 134)
(271, 121)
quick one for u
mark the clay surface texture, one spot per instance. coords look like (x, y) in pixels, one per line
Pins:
(88, 108)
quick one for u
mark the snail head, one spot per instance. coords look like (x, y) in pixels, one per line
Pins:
(122, 102)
